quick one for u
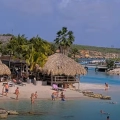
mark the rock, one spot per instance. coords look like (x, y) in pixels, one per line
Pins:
(87, 92)
(3, 115)
(106, 98)
(12, 112)
(96, 95)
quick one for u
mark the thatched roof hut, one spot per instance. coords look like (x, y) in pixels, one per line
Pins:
(62, 70)
(59, 64)
(5, 39)
(4, 70)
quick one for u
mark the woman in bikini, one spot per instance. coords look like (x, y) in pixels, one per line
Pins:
(35, 95)
(32, 98)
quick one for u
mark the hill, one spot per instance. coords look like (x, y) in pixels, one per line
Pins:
(97, 52)
(99, 49)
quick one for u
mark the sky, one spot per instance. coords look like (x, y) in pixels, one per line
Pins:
(93, 22)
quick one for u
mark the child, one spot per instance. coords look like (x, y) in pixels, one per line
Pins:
(53, 96)
(17, 93)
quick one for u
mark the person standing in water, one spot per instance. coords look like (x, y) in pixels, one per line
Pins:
(17, 92)
(32, 98)
(62, 97)
(106, 86)
(35, 95)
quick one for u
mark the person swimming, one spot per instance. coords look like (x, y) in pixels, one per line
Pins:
(112, 102)
(108, 118)
(102, 112)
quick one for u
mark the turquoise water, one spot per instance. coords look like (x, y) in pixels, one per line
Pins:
(83, 109)
(100, 78)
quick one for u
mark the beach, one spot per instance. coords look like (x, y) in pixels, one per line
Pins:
(76, 106)
(44, 92)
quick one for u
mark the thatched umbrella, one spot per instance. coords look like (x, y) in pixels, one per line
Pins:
(59, 64)
(4, 70)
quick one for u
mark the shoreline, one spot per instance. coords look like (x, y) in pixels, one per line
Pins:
(44, 92)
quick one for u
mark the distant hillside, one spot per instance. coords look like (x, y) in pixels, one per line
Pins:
(100, 49)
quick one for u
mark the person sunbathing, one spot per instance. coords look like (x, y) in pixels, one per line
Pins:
(19, 82)
(14, 80)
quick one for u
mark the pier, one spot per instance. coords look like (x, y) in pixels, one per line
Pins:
(97, 67)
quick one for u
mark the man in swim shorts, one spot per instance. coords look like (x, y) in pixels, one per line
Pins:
(6, 88)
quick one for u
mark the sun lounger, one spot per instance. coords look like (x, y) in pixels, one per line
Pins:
(55, 87)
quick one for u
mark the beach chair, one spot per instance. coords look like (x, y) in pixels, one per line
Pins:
(55, 87)
(20, 83)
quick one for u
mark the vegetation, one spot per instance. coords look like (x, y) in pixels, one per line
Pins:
(94, 48)
(36, 50)
(110, 64)
(64, 40)
(73, 52)
(33, 51)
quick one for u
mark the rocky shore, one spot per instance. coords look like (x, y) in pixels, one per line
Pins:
(115, 71)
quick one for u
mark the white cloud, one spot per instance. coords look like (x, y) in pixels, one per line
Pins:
(93, 13)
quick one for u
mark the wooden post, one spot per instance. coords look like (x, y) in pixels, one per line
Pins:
(55, 79)
(67, 79)
(51, 80)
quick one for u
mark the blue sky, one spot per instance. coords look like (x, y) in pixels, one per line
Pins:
(94, 22)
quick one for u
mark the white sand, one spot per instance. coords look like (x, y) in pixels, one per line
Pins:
(44, 92)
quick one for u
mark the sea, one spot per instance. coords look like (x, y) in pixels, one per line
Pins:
(78, 109)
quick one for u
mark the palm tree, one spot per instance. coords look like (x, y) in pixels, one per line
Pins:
(74, 52)
(110, 64)
(64, 40)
